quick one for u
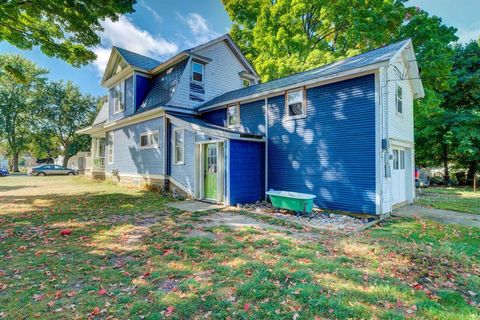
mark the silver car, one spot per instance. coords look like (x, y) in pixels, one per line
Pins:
(50, 170)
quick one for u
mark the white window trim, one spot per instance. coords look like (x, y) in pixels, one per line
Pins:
(203, 72)
(237, 107)
(175, 160)
(148, 133)
(111, 143)
(304, 105)
(396, 100)
(122, 89)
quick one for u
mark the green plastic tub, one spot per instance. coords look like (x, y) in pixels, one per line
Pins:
(294, 201)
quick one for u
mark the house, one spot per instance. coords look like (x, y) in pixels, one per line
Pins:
(201, 124)
(77, 162)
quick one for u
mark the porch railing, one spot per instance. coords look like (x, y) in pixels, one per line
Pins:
(94, 164)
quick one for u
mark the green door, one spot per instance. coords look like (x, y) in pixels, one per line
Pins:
(210, 182)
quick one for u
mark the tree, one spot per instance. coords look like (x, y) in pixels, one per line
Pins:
(64, 111)
(462, 107)
(63, 29)
(20, 80)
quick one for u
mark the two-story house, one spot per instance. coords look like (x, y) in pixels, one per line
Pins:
(201, 123)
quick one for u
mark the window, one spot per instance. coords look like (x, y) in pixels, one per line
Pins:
(119, 98)
(295, 104)
(246, 83)
(110, 147)
(402, 159)
(179, 145)
(149, 140)
(198, 70)
(398, 159)
(399, 100)
(233, 118)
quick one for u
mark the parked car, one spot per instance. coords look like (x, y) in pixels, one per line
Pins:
(4, 172)
(50, 170)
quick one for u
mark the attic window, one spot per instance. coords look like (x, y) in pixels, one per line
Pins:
(198, 70)
(399, 100)
(119, 98)
(246, 82)
(295, 104)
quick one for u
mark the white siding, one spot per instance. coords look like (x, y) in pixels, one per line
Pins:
(221, 75)
(397, 128)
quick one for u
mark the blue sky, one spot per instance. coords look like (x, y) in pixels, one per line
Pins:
(161, 28)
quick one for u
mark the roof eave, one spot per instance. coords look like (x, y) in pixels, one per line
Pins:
(314, 81)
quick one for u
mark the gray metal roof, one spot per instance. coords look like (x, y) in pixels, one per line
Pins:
(355, 62)
(102, 115)
(163, 87)
(138, 60)
(202, 123)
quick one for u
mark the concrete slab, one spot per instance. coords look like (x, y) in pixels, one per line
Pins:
(442, 216)
(194, 206)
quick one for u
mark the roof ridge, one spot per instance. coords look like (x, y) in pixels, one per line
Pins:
(138, 54)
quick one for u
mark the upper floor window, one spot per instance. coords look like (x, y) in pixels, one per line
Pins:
(295, 104)
(246, 83)
(119, 98)
(233, 118)
(179, 144)
(149, 139)
(198, 71)
(399, 100)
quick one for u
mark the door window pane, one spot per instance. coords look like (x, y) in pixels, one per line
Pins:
(212, 159)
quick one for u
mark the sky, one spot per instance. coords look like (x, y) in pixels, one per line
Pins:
(160, 29)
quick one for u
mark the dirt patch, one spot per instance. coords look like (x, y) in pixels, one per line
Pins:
(238, 221)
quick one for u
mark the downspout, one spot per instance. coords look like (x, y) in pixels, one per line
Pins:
(266, 146)
(165, 153)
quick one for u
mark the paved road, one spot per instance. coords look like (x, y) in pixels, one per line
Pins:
(443, 216)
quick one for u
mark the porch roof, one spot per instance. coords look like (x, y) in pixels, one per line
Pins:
(201, 125)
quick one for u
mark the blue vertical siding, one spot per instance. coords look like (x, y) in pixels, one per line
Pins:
(252, 117)
(129, 158)
(129, 106)
(247, 171)
(331, 152)
(143, 86)
(183, 173)
(217, 117)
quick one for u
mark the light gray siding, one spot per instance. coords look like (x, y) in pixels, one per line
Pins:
(221, 75)
(129, 158)
(183, 173)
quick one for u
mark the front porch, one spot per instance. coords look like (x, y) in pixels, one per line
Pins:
(95, 164)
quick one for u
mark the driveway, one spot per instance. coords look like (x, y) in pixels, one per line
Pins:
(442, 216)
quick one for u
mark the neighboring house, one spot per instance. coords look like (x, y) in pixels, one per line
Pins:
(77, 162)
(200, 123)
(3, 161)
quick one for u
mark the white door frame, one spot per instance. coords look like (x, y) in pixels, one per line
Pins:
(199, 192)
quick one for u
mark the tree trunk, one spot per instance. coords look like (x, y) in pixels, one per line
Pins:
(15, 162)
(472, 169)
(445, 160)
(66, 157)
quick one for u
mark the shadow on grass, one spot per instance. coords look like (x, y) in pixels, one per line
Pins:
(11, 188)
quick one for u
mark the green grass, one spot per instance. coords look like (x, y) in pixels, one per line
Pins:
(403, 268)
(456, 199)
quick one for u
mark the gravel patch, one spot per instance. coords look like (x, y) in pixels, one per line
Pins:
(319, 219)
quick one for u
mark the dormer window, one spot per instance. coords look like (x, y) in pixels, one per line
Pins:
(233, 118)
(119, 97)
(198, 71)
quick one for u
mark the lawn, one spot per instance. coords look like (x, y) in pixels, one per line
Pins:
(450, 198)
(130, 257)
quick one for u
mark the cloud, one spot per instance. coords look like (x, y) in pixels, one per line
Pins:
(471, 32)
(154, 13)
(123, 33)
(199, 27)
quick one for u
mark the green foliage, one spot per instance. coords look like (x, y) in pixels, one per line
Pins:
(64, 111)
(20, 81)
(62, 29)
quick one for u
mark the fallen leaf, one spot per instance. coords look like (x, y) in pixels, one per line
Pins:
(51, 303)
(58, 294)
(66, 232)
(38, 297)
(95, 311)
(169, 310)
(102, 292)
(246, 306)
(71, 294)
